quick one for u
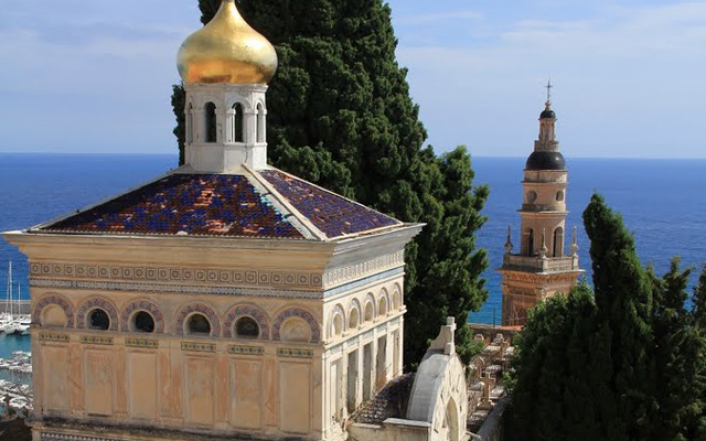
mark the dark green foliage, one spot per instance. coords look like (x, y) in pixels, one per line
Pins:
(552, 370)
(624, 297)
(699, 301)
(340, 115)
(178, 102)
(625, 364)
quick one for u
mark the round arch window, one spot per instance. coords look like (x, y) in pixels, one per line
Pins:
(99, 320)
(532, 196)
(560, 196)
(246, 327)
(143, 322)
(198, 324)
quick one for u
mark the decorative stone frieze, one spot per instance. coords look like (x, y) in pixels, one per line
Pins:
(197, 347)
(295, 353)
(141, 342)
(203, 276)
(66, 437)
(96, 340)
(245, 350)
(53, 337)
(172, 289)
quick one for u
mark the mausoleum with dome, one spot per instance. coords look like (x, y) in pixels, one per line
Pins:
(227, 299)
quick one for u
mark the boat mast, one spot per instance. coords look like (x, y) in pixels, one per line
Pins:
(8, 292)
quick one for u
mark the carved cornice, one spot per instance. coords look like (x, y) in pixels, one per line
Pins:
(344, 274)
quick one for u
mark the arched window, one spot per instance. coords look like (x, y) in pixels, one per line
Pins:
(382, 310)
(189, 123)
(559, 242)
(98, 320)
(369, 311)
(198, 324)
(260, 123)
(53, 315)
(295, 329)
(143, 321)
(210, 124)
(530, 242)
(238, 122)
(246, 327)
(354, 320)
(337, 325)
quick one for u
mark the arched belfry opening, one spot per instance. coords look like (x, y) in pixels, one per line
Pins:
(260, 123)
(210, 123)
(189, 129)
(558, 242)
(238, 122)
(529, 247)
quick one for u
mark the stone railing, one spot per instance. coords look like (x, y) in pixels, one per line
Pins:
(548, 265)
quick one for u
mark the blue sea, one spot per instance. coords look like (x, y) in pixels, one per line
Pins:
(662, 201)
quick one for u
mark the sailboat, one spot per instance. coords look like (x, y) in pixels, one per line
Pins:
(7, 319)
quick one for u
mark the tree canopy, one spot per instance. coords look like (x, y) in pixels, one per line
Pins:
(340, 115)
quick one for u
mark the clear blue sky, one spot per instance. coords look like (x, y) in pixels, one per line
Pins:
(630, 76)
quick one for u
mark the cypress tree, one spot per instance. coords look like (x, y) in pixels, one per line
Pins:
(679, 353)
(699, 301)
(340, 115)
(553, 398)
(624, 297)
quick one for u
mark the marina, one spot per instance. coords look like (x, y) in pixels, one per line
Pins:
(16, 383)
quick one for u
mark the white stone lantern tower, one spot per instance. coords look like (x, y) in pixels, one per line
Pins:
(225, 67)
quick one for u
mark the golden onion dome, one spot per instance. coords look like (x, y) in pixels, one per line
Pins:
(227, 50)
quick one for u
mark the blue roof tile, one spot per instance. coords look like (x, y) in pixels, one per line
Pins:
(198, 204)
(334, 215)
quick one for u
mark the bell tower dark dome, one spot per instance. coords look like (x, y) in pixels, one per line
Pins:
(545, 160)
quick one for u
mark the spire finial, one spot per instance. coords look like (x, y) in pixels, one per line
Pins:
(508, 241)
(544, 249)
(549, 93)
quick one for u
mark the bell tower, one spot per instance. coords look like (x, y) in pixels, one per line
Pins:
(541, 268)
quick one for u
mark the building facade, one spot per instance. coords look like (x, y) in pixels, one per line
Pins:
(541, 268)
(224, 300)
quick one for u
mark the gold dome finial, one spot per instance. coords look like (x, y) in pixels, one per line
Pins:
(227, 50)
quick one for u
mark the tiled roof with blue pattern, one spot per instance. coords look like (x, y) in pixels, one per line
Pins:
(334, 215)
(196, 204)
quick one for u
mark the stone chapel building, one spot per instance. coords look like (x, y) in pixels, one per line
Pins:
(226, 299)
(541, 269)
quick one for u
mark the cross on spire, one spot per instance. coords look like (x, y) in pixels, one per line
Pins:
(549, 91)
